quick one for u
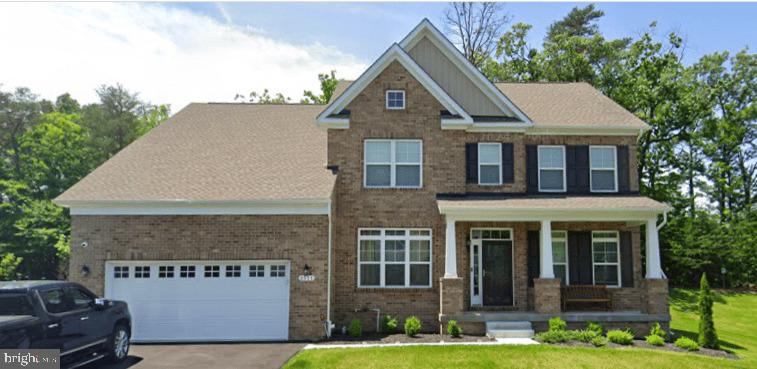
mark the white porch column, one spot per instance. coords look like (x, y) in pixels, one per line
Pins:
(654, 267)
(545, 251)
(450, 264)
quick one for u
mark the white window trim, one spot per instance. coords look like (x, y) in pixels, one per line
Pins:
(404, 99)
(540, 168)
(564, 237)
(382, 262)
(614, 168)
(615, 239)
(499, 163)
(392, 163)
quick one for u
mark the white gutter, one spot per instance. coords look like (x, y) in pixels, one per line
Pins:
(664, 220)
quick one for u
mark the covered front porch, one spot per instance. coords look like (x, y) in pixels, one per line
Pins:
(534, 258)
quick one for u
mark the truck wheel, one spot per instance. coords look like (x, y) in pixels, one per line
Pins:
(119, 344)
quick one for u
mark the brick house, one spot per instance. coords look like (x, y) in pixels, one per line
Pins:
(421, 189)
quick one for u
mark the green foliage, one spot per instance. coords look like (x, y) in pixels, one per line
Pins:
(388, 323)
(328, 85)
(453, 329)
(557, 324)
(554, 336)
(584, 335)
(657, 330)
(8, 265)
(599, 341)
(655, 340)
(579, 22)
(355, 329)
(595, 327)
(620, 337)
(412, 326)
(707, 335)
(687, 344)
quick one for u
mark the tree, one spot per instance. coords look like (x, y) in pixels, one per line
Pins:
(67, 105)
(264, 98)
(475, 28)
(18, 113)
(328, 85)
(8, 265)
(707, 335)
(579, 22)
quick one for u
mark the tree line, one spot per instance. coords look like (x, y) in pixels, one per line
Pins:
(699, 155)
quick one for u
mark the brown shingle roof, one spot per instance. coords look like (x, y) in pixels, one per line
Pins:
(570, 203)
(218, 152)
(560, 105)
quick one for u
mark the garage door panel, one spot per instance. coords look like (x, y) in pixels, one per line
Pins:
(175, 308)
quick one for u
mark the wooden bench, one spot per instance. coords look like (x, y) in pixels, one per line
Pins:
(586, 294)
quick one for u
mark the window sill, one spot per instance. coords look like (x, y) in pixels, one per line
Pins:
(394, 289)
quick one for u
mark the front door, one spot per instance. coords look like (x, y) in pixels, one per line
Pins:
(497, 273)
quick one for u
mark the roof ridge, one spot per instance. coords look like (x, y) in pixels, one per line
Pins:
(257, 104)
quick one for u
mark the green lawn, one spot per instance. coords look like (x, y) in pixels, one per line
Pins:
(735, 319)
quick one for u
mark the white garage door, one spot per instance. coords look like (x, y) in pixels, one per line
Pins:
(203, 300)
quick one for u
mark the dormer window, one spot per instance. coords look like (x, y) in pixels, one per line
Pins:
(395, 99)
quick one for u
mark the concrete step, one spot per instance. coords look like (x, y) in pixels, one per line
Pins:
(508, 325)
(504, 329)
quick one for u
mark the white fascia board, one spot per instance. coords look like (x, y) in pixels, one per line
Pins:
(480, 214)
(425, 27)
(181, 207)
(395, 52)
(582, 130)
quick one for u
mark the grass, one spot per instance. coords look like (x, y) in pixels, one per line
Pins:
(734, 320)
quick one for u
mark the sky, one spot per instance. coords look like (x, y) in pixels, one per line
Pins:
(177, 53)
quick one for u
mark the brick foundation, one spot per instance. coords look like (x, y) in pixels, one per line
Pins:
(655, 296)
(547, 295)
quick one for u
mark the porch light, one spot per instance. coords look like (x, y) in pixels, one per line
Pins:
(84, 271)
(306, 270)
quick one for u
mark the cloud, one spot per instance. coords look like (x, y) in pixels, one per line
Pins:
(168, 55)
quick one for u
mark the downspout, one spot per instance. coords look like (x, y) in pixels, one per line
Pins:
(328, 325)
(664, 221)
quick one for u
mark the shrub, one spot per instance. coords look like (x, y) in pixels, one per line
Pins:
(707, 335)
(658, 331)
(655, 340)
(599, 341)
(355, 329)
(620, 337)
(556, 336)
(595, 327)
(388, 323)
(453, 329)
(412, 326)
(557, 324)
(584, 335)
(687, 344)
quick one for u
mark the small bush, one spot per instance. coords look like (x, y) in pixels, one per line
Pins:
(355, 329)
(453, 329)
(584, 335)
(557, 324)
(599, 341)
(658, 331)
(595, 327)
(620, 337)
(655, 340)
(412, 326)
(388, 323)
(687, 344)
(553, 336)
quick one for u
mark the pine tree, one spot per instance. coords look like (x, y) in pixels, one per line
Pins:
(707, 335)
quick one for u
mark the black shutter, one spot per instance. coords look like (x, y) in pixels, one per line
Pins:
(532, 169)
(508, 169)
(471, 162)
(623, 174)
(533, 257)
(581, 241)
(570, 168)
(573, 258)
(626, 259)
(577, 169)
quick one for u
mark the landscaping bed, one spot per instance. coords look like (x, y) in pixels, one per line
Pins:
(379, 338)
(643, 344)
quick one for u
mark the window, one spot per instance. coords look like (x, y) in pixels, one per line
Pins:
(489, 163)
(605, 258)
(187, 271)
(603, 168)
(212, 271)
(395, 99)
(165, 271)
(79, 298)
(394, 258)
(393, 163)
(257, 270)
(560, 255)
(233, 271)
(552, 168)
(121, 272)
(54, 301)
(278, 271)
(141, 272)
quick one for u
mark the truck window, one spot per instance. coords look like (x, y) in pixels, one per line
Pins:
(79, 298)
(54, 301)
(15, 305)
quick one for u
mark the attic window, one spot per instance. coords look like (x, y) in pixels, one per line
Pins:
(395, 99)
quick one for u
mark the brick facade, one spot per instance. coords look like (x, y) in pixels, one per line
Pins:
(299, 239)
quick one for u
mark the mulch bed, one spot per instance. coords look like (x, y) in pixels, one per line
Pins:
(373, 338)
(644, 344)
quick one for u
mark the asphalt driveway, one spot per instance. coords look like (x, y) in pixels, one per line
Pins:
(202, 356)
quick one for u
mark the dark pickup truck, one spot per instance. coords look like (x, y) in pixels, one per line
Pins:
(63, 316)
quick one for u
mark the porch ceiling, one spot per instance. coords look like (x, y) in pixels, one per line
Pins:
(555, 208)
